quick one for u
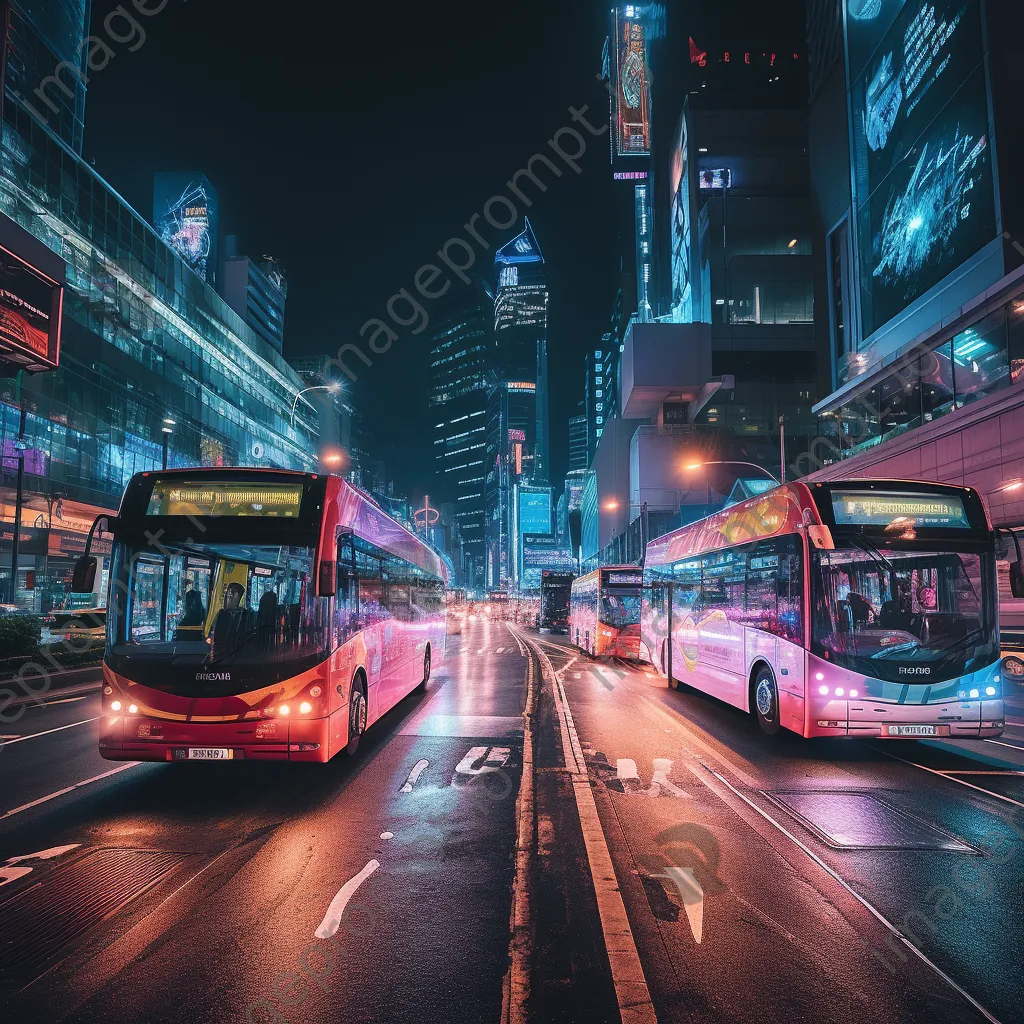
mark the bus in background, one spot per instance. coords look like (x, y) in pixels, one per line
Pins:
(498, 605)
(260, 614)
(604, 612)
(836, 609)
(555, 598)
(526, 608)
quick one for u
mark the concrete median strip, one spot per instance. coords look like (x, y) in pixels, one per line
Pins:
(631, 991)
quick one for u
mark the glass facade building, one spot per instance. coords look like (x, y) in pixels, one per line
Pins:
(461, 369)
(153, 361)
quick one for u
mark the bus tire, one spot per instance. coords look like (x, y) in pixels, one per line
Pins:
(356, 714)
(764, 701)
(422, 688)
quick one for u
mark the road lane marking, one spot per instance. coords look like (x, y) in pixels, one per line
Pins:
(625, 770)
(414, 775)
(60, 728)
(12, 874)
(500, 650)
(863, 901)
(952, 778)
(53, 851)
(332, 919)
(63, 700)
(662, 767)
(1001, 743)
(493, 758)
(9, 872)
(631, 991)
(692, 895)
(69, 789)
(387, 835)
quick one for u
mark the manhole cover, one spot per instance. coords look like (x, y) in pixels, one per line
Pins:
(39, 922)
(861, 821)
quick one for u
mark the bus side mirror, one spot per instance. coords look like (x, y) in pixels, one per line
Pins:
(327, 583)
(820, 538)
(1016, 580)
(83, 578)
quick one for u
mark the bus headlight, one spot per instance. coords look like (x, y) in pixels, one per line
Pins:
(133, 709)
(990, 691)
(108, 690)
(305, 707)
(115, 705)
(975, 694)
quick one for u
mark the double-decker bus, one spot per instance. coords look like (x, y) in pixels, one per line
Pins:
(555, 598)
(863, 608)
(260, 614)
(604, 612)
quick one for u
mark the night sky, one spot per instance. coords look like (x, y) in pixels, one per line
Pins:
(352, 144)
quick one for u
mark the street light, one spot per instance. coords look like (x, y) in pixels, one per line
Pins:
(334, 388)
(693, 466)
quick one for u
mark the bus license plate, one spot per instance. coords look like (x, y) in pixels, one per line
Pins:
(206, 753)
(917, 730)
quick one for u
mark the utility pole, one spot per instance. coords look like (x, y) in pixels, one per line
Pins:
(782, 449)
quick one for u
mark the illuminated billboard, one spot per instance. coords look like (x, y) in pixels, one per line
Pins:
(923, 152)
(632, 103)
(534, 510)
(30, 315)
(682, 289)
(185, 217)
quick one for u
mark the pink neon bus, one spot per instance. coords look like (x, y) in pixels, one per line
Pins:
(863, 608)
(260, 614)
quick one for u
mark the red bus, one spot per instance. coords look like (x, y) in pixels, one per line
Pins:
(604, 611)
(260, 614)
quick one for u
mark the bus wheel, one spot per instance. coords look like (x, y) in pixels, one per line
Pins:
(766, 702)
(422, 688)
(356, 717)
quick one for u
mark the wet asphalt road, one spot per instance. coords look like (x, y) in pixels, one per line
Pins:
(195, 892)
(782, 939)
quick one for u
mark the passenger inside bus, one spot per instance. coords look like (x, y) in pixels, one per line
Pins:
(233, 622)
(190, 624)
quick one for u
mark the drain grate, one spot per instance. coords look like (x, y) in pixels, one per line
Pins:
(38, 923)
(860, 821)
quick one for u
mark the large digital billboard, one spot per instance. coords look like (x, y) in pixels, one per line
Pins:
(534, 511)
(922, 151)
(30, 316)
(185, 217)
(682, 289)
(632, 102)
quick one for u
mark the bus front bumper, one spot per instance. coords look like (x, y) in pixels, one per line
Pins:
(976, 719)
(140, 738)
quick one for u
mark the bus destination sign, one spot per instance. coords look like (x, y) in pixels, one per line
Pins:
(214, 498)
(858, 508)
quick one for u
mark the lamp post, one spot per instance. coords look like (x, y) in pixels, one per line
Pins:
(334, 388)
(693, 466)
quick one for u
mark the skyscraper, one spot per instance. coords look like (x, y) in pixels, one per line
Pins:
(517, 421)
(256, 291)
(578, 454)
(461, 370)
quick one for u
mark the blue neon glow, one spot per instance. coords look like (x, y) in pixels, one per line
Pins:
(522, 249)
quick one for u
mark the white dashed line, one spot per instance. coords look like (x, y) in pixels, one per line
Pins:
(414, 775)
(60, 728)
(69, 789)
(332, 919)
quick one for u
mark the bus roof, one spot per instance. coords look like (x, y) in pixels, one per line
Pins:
(784, 510)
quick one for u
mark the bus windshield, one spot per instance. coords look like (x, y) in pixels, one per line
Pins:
(904, 615)
(218, 609)
(620, 606)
